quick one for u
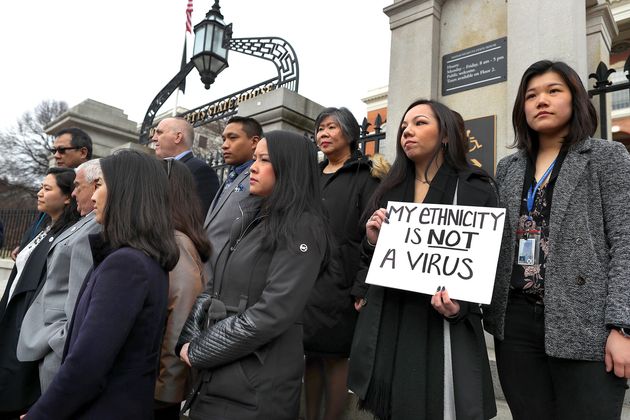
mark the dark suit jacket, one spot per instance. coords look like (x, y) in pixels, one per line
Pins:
(206, 180)
(223, 212)
(111, 353)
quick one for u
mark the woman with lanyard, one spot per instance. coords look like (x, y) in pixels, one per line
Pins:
(561, 304)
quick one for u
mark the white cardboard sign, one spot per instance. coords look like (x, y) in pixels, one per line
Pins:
(429, 245)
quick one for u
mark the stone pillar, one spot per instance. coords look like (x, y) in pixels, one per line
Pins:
(538, 30)
(282, 109)
(600, 30)
(414, 59)
(108, 126)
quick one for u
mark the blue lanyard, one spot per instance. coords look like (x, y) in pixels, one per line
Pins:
(531, 194)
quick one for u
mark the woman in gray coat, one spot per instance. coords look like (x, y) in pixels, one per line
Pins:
(561, 306)
(244, 334)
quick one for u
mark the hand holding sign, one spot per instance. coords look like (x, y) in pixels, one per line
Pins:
(425, 246)
(373, 226)
(442, 303)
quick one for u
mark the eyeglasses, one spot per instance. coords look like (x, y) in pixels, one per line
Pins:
(63, 150)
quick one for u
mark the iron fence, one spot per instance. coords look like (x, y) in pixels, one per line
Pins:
(370, 143)
(604, 86)
(16, 222)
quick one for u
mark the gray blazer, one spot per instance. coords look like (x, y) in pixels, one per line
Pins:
(45, 325)
(587, 281)
(222, 213)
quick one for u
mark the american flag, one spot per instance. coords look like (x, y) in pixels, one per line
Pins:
(189, 10)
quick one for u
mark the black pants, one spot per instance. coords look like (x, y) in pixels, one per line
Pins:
(540, 387)
(166, 412)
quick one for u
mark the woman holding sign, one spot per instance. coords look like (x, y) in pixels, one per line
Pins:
(561, 306)
(414, 355)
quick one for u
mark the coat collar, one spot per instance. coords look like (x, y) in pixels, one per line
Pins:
(223, 196)
(569, 176)
(100, 248)
(469, 193)
(356, 158)
(73, 229)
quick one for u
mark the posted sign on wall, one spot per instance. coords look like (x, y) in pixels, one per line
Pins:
(474, 67)
(429, 245)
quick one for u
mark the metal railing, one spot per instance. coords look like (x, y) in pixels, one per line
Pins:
(370, 143)
(604, 86)
(16, 222)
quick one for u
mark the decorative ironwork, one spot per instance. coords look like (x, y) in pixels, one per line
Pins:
(366, 138)
(159, 100)
(273, 49)
(602, 87)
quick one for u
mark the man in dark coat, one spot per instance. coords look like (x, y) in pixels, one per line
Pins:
(173, 138)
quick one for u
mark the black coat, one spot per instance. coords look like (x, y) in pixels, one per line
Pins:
(329, 317)
(418, 389)
(206, 180)
(111, 353)
(252, 360)
(19, 381)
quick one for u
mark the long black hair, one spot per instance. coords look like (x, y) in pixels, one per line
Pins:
(137, 208)
(449, 133)
(64, 177)
(186, 218)
(583, 120)
(296, 191)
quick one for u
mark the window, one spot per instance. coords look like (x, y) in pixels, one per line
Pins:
(620, 98)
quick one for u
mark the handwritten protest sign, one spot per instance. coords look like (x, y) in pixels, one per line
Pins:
(429, 245)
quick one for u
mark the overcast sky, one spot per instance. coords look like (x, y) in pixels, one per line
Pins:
(123, 52)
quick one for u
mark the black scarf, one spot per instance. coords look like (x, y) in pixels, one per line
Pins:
(409, 361)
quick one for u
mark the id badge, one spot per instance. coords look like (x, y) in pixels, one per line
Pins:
(529, 249)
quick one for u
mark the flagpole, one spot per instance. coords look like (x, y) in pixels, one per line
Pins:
(174, 113)
(182, 86)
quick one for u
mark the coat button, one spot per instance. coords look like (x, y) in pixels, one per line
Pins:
(580, 281)
(579, 241)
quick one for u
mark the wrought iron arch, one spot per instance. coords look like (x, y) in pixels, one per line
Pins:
(273, 49)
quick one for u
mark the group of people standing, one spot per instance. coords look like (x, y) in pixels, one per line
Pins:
(268, 292)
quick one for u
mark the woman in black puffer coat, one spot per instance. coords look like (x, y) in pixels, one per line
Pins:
(249, 357)
(347, 183)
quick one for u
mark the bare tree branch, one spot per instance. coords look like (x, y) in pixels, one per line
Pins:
(24, 154)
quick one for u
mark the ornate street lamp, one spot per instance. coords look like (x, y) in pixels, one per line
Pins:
(212, 38)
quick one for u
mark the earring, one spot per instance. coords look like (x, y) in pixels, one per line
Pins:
(444, 147)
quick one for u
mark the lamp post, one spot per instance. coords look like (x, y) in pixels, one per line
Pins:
(210, 50)
(213, 39)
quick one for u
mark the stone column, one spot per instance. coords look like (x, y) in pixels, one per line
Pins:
(538, 30)
(600, 30)
(282, 109)
(414, 59)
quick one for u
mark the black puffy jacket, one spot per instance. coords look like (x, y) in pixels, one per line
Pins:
(252, 360)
